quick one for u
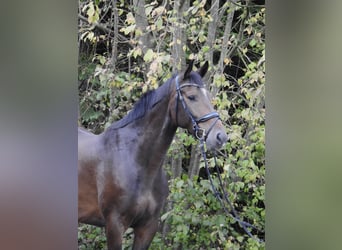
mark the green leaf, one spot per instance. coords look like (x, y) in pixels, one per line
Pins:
(148, 55)
(179, 183)
(159, 23)
(137, 52)
(130, 18)
(198, 204)
(93, 13)
(128, 29)
(205, 49)
(148, 10)
(252, 43)
(165, 216)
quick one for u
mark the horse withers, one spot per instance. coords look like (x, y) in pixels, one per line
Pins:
(121, 182)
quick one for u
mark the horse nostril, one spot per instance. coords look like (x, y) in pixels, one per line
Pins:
(221, 138)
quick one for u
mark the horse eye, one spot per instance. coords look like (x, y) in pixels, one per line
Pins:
(192, 97)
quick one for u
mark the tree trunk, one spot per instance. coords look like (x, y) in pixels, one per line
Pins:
(146, 38)
(179, 35)
(226, 37)
(194, 161)
(115, 17)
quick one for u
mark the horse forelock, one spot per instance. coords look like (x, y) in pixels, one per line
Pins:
(196, 78)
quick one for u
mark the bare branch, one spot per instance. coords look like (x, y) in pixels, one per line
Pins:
(97, 25)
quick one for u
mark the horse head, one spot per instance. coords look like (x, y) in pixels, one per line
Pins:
(191, 108)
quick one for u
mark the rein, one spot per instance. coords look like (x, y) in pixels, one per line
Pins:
(201, 135)
(218, 195)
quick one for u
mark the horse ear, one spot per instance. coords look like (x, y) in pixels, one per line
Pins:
(188, 70)
(203, 70)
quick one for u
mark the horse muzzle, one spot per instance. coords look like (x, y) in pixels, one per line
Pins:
(216, 139)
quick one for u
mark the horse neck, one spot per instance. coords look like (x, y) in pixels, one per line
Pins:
(157, 131)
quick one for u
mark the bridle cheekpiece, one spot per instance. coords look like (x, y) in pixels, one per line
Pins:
(200, 133)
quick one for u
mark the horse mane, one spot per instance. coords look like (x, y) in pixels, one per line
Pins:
(146, 102)
(143, 105)
(150, 99)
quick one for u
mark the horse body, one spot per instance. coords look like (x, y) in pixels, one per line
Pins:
(121, 180)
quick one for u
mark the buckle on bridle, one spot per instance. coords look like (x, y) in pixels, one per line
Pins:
(200, 133)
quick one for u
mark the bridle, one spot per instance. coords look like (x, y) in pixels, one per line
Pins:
(200, 133)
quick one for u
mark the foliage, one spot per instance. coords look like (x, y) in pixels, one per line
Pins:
(127, 50)
(90, 237)
(197, 220)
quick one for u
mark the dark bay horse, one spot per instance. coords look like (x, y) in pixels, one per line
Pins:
(121, 182)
